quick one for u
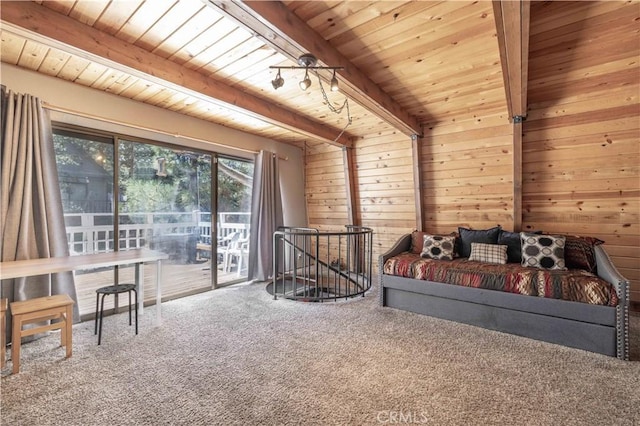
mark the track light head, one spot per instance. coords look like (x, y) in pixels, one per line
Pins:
(334, 82)
(304, 84)
(278, 81)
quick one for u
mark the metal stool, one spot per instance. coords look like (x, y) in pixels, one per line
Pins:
(114, 289)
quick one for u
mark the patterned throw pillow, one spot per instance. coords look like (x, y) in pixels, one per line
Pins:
(542, 251)
(489, 253)
(438, 247)
(514, 246)
(579, 253)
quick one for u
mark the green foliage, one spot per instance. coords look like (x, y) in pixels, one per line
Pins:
(183, 176)
(234, 195)
(151, 178)
(148, 196)
(73, 152)
(85, 173)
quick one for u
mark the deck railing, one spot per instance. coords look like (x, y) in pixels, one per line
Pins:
(94, 232)
(315, 266)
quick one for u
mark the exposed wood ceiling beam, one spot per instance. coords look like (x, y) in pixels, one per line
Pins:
(74, 37)
(291, 36)
(512, 26)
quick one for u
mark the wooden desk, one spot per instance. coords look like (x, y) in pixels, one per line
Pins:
(33, 267)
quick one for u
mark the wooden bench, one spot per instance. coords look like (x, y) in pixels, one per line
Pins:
(58, 308)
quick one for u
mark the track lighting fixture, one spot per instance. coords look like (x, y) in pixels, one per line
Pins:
(306, 62)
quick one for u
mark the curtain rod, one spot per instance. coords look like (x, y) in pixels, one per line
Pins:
(149, 129)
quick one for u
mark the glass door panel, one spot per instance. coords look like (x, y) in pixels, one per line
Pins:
(164, 204)
(85, 173)
(235, 180)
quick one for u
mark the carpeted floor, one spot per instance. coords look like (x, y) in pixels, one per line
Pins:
(236, 356)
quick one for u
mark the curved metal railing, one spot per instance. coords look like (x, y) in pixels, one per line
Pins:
(314, 266)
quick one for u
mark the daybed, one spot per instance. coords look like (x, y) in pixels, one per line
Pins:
(598, 328)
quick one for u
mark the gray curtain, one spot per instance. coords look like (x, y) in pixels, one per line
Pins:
(32, 221)
(266, 215)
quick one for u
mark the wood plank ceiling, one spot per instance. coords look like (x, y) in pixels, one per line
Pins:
(407, 63)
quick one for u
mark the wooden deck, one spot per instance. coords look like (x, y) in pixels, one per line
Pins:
(178, 280)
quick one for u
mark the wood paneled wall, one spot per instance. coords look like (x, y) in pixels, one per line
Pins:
(581, 149)
(382, 182)
(384, 187)
(580, 164)
(467, 169)
(325, 187)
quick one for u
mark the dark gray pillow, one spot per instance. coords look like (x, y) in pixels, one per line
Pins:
(514, 247)
(468, 236)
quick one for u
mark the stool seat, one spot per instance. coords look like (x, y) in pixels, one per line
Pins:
(57, 307)
(115, 290)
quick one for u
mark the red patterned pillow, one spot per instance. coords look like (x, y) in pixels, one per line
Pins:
(579, 254)
(417, 241)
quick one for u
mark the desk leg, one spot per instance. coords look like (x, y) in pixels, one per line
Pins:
(158, 292)
(140, 286)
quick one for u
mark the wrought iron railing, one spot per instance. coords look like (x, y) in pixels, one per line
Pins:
(314, 266)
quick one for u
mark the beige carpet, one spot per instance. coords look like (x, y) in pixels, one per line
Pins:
(236, 356)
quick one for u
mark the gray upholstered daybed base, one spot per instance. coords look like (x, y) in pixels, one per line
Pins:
(595, 328)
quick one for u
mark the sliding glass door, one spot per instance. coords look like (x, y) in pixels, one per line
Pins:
(120, 193)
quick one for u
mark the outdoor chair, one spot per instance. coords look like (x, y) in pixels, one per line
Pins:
(224, 245)
(238, 250)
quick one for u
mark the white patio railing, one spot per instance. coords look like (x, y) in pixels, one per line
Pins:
(94, 233)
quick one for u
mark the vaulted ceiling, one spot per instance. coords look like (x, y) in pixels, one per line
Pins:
(406, 63)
